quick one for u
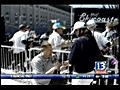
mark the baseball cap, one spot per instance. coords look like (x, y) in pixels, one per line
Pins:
(58, 25)
(90, 22)
(21, 26)
(78, 25)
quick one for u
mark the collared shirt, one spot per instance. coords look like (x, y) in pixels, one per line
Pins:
(55, 39)
(109, 34)
(40, 65)
(100, 39)
(17, 41)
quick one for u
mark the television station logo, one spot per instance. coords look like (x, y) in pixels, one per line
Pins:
(100, 67)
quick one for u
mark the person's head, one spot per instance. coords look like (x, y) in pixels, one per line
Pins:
(77, 32)
(27, 28)
(58, 27)
(46, 49)
(22, 27)
(109, 26)
(80, 28)
(48, 32)
(91, 24)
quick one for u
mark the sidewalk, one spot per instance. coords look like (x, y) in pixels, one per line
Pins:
(10, 82)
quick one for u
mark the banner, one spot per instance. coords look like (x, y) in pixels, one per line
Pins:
(81, 76)
(100, 15)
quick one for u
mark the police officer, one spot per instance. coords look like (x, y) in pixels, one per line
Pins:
(102, 42)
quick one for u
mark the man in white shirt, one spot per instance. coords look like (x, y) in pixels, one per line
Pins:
(19, 41)
(55, 39)
(100, 39)
(109, 33)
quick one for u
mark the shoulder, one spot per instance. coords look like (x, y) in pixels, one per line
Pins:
(54, 35)
(77, 41)
(36, 59)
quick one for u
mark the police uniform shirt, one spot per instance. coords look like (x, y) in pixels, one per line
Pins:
(109, 34)
(17, 41)
(100, 40)
(55, 39)
(41, 65)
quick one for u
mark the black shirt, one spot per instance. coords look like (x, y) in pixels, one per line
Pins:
(83, 54)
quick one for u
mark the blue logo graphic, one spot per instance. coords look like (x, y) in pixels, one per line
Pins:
(100, 65)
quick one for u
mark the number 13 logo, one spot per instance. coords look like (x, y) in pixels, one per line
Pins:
(100, 65)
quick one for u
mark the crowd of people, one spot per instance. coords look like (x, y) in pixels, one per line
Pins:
(86, 47)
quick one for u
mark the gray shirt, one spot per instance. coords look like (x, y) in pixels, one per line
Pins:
(40, 65)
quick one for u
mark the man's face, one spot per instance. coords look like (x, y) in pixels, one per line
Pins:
(77, 32)
(60, 30)
(25, 29)
(48, 51)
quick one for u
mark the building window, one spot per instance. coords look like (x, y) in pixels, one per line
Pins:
(30, 19)
(7, 19)
(37, 19)
(24, 18)
(30, 15)
(16, 19)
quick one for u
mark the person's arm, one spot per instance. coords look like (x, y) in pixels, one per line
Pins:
(38, 67)
(56, 66)
(51, 71)
(11, 41)
(59, 41)
(24, 39)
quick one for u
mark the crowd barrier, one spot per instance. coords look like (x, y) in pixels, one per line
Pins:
(20, 63)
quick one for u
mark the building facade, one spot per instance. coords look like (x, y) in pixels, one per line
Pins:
(37, 16)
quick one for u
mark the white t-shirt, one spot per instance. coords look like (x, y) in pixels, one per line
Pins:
(100, 39)
(26, 34)
(17, 41)
(55, 39)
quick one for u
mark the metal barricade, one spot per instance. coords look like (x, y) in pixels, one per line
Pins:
(13, 58)
(111, 60)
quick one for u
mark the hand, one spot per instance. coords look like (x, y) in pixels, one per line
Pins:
(62, 68)
(67, 42)
(57, 65)
(66, 63)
